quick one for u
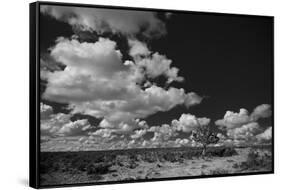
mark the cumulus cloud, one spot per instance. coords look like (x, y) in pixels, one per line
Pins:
(139, 134)
(45, 111)
(134, 129)
(60, 124)
(192, 99)
(101, 57)
(88, 72)
(93, 79)
(163, 136)
(246, 132)
(142, 124)
(105, 133)
(126, 22)
(233, 120)
(162, 133)
(222, 138)
(106, 124)
(122, 127)
(265, 136)
(261, 111)
(188, 122)
(157, 65)
(51, 126)
(182, 142)
(78, 127)
(96, 82)
(243, 127)
(138, 48)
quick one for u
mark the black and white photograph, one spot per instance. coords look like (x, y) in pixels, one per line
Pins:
(133, 94)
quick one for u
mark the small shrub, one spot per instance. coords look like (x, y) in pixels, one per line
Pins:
(121, 160)
(218, 172)
(138, 157)
(95, 177)
(158, 165)
(187, 155)
(256, 161)
(204, 166)
(150, 158)
(98, 168)
(229, 152)
(132, 165)
(203, 173)
(230, 161)
(223, 152)
(170, 157)
(235, 166)
(79, 163)
(44, 168)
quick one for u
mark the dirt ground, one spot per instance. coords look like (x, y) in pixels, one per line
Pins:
(146, 170)
(194, 167)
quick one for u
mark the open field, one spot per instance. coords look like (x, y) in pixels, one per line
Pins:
(118, 165)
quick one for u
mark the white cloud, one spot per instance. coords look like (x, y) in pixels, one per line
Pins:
(266, 135)
(93, 79)
(134, 128)
(126, 22)
(221, 136)
(91, 72)
(138, 48)
(243, 128)
(78, 127)
(261, 111)
(139, 134)
(157, 65)
(163, 137)
(123, 127)
(142, 124)
(188, 122)
(162, 133)
(106, 124)
(96, 82)
(60, 124)
(101, 57)
(246, 132)
(233, 120)
(182, 142)
(53, 124)
(45, 111)
(154, 64)
(192, 99)
(105, 133)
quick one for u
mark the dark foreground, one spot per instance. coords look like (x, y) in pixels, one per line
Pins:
(58, 168)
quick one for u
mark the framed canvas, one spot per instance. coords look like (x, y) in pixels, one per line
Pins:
(120, 94)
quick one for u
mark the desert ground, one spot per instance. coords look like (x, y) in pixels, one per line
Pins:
(90, 167)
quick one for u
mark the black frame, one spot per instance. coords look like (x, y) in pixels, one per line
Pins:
(34, 94)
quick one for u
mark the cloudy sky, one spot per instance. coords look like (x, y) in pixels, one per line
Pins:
(117, 79)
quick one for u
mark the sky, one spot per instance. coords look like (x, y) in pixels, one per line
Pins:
(118, 79)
